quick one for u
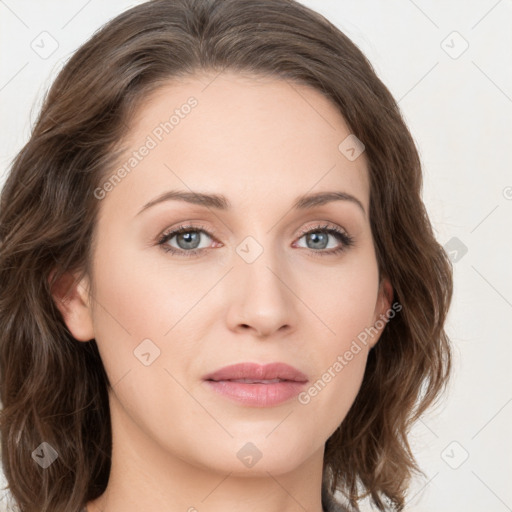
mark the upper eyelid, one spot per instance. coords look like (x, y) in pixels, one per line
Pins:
(185, 228)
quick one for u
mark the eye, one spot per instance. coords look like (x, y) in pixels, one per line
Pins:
(317, 239)
(187, 240)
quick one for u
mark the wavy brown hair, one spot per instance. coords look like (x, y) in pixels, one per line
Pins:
(54, 389)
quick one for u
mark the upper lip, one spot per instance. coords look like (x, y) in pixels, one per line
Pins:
(255, 371)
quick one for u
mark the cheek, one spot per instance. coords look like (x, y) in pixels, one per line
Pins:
(340, 362)
(346, 305)
(131, 306)
(344, 299)
(135, 288)
(144, 304)
(333, 392)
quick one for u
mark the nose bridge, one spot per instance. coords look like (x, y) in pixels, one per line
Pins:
(260, 263)
(263, 300)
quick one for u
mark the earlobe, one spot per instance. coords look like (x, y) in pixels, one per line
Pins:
(71, 296)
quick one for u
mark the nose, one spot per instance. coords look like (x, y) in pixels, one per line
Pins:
(261, 299)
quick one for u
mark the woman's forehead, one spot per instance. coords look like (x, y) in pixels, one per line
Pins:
(236, 135)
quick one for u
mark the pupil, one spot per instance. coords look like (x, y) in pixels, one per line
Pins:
(189, 238)
(319, 240)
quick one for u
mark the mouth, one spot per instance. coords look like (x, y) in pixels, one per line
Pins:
(255, 381)
(260, 373)
(256, 385)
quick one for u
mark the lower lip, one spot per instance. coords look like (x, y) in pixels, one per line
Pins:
(257, 395)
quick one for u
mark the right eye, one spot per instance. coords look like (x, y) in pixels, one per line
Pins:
(187, 238)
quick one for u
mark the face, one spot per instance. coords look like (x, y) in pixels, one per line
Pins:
(252, 277)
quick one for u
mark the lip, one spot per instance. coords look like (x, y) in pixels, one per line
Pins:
(275, 383)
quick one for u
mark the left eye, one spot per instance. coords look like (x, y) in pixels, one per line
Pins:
(319, 238)
(188, 239)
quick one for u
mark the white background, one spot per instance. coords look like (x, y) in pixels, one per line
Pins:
(459, 111)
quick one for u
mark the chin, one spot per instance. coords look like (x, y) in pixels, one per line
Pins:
(258, 457)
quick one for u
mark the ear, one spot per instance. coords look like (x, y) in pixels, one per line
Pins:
(382, 307)
(71, 296)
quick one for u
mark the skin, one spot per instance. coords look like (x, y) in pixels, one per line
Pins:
(262, 143)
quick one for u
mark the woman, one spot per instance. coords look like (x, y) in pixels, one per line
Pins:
(219, 283)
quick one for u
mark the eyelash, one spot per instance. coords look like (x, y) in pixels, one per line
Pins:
(347, 240)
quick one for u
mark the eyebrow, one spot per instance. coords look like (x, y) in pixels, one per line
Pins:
(220, 202)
